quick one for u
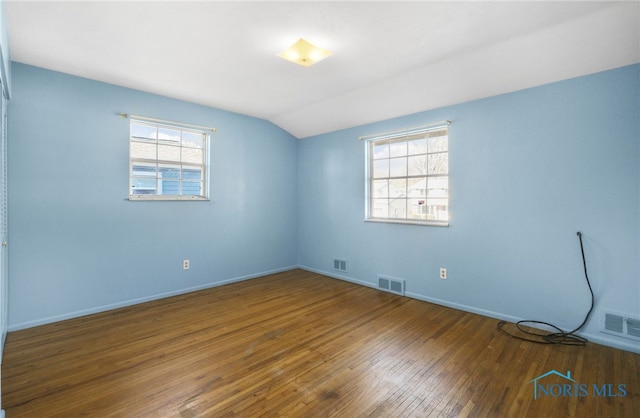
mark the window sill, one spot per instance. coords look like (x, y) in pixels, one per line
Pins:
(408, 222)
(143, 198)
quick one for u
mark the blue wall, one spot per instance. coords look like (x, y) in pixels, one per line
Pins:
(527, 171)
(79, 246)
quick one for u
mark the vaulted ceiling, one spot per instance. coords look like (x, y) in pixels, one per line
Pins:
(390, 58)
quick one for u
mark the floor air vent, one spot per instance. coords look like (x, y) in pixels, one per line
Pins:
(622, 326)
(392, 285)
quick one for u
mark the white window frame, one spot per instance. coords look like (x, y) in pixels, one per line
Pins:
(179, 164)
(374, 178)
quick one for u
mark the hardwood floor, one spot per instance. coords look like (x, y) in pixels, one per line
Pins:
(301, 344)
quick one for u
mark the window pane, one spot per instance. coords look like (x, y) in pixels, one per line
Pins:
(170, 187)
(398, 149)
(381, 168)
(438, 163)
(409, 176)
(168, 153)
(418, 146)
(438, 186)
(381, 150)
(397, 167)
(437, 209)
(192, 155)
(145, 132)
(417, 187)
(192, 139)
(141, 150)
(417, 208)
(191, 173)
(143, 186)
(167, 160)
(144, 169)
(192, 188)
(380, 188)
(169, 172)
(438, 143)
(398, 208)
(169, 135)
(397, 187)
(417, 165)
(380, 208)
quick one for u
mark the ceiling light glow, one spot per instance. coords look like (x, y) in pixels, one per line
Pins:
(304, 53)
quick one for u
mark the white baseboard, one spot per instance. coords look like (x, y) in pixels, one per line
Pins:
(104, 308)
(338, 276)
(597, 338)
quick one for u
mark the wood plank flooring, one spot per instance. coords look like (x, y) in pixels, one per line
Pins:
(300, 344)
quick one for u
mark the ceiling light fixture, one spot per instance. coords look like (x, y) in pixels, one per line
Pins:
(305, 53)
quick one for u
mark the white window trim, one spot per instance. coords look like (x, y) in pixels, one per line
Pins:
(161, 123)
(398, 134)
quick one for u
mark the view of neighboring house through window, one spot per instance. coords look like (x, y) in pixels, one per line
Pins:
(167, 162)
(408, 177)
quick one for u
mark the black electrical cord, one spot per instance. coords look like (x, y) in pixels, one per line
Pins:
(560, 337)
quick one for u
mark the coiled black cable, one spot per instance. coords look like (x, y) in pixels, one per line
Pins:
(559, 337)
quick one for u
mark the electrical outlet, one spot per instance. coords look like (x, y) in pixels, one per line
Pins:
(443, 273)
(185, 265)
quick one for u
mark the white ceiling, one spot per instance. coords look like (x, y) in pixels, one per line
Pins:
(390, 58)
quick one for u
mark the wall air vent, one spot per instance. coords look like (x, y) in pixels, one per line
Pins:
(621, 325)
(633, 327)
(614, 323)
(340, 265)
(389, 284)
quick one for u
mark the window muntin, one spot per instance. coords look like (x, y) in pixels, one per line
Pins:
(408, 177)
(167, 162)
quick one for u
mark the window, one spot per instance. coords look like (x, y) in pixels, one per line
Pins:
(408, 176)
(167, 162)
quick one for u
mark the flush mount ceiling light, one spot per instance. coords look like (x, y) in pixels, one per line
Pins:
(304, 53)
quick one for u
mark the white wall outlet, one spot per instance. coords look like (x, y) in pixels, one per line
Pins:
(185, 265)
(443, 273)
